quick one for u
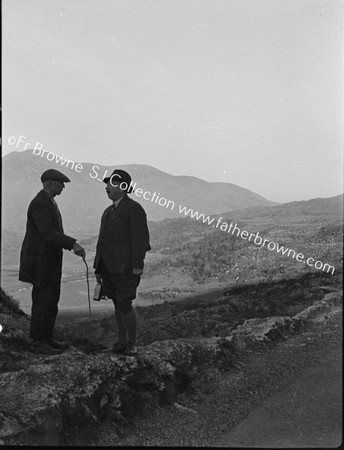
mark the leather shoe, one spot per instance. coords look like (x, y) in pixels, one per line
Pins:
(44, 348)
(131, 350)
(61, 345)
(119, 348)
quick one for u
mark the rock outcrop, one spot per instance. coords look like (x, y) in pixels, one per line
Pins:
(49, 394)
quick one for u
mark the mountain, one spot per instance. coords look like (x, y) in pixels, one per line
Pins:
(84, 199)
(324, 208)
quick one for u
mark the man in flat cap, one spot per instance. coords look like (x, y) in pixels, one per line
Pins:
(122, 245)
(41, 260)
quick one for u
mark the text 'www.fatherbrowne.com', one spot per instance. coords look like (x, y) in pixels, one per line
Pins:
(156, 198)
(232, 228)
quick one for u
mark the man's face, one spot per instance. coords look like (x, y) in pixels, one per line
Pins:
(114, 190)
(56, 187)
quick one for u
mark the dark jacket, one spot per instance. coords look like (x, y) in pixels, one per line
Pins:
(123, 238)
(41, 252)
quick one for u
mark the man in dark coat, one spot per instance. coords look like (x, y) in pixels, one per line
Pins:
(122, 245)
(41, 260)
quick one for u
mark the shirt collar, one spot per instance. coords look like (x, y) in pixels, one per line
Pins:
(115, 204)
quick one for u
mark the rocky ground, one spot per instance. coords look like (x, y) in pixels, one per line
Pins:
(284, 395)
(87, 395)
(217, 312)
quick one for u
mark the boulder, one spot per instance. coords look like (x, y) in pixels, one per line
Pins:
(76, 389)
(9, 426)
(330, 304)
(265, 329)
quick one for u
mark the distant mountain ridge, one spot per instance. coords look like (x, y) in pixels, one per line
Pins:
(331, 207)
(84, 198)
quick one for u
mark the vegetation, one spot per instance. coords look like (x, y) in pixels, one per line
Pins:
(206, 253)
(209, 317)
(8, 302)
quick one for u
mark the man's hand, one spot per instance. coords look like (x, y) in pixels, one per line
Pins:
(98, 278)
(137, 271)
(79, 251)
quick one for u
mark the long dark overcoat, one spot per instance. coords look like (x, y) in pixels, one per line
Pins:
(41, 253)
(123, 238)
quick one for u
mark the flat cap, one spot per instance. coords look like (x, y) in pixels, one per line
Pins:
(52, 174)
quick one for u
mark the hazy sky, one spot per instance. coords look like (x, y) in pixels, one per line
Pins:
(246, 92)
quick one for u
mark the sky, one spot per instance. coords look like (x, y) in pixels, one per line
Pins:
(248, 92)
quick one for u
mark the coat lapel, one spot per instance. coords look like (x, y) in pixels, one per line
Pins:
(120, 210)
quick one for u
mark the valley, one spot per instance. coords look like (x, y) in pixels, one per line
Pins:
(189, 258)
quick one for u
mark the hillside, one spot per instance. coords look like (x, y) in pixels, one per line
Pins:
(188, 256)
(306, 210)
(84, 198)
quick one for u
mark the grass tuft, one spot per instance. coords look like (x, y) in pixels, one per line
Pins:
(8, 302)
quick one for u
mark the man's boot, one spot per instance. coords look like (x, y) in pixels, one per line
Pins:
(130, 322)
(44, 348)
(121, 345)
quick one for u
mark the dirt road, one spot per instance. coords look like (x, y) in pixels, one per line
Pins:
(287, 395)
(306, 413)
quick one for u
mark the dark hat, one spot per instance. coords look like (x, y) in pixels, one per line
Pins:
(119, 176)
(52, 174)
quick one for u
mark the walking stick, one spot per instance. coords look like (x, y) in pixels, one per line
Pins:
(88, 293)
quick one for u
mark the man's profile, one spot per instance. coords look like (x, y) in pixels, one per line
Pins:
(41, 260)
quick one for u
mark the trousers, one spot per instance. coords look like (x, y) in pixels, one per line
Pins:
(120, 287)
(44, 310)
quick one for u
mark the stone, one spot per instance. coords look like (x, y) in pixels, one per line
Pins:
(327, 289)
(321, 307)
(334, 298)
(264, 329)
(9, 426)
(184, 408)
